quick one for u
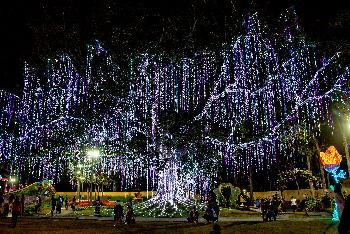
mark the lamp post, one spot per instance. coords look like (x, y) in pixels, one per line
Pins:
(79, 176)
(12, 180)
(92, 156)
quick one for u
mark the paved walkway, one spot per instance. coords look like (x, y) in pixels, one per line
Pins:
(69, 214)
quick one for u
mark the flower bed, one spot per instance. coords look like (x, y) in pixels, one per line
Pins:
(108, 203)
(86, 203)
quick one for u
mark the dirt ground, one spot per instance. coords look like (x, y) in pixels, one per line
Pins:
(51, 226)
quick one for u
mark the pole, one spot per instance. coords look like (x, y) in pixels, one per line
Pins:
(91, 171)
(79, 188)
(147, 178)
(311, 184)
(323, 178)
(91, 191)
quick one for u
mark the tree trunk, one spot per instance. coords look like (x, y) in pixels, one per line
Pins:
(251, 183)
(346, 147)
(90, 193)
(114, 186)
(296, 182)
(323, 177)
(78, 189)
(311, 184)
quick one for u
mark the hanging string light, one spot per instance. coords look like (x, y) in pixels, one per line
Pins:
(263, 87)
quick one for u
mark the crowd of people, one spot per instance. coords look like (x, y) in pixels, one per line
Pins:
(270, 207)
(14, 207)
(120, 217)
(123, 213)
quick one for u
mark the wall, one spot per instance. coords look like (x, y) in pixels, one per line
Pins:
(298, 194)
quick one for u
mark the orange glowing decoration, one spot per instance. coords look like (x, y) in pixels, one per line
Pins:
(331, 158)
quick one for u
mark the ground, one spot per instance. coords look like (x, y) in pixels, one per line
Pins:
(60, 225)
(231, 221)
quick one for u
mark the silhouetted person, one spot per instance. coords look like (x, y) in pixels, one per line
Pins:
(210, 214)
(129, 218)
(343, 209)
(37, 204)
(216, 229)
(118, 213)
(66, 202)
(2, 200)
(16, 211)
(59, 204)
(73, 203)
(193, 216)
(22, 204)
(53, 204)
(344, 223)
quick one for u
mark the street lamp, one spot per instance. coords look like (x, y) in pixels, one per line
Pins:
(79, 174)
(12, 180)
(92, 156)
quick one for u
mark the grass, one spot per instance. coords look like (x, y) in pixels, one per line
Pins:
(226, 212)
(165, 209)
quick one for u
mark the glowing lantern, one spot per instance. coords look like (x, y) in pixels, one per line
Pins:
(330, 159)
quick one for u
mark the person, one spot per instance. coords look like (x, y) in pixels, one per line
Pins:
(257, 203)
(22, 204)
(59, 204)
(293, 203)
(37, 204)
(53, 204)
(5, 210)
(118, 213)
(326, 201)
(193, 216)
(66, 202)
(267, 211)
(343, 207)
(16, 211)
(264, 209)
(209, 214)
(1, 198)
(344, 221)
(130, 202)
(73, 203)
(271, 210)
(216, 210)
(1, 204)
(97, 207)
(277, 204)
(216, 229)
(129, 218)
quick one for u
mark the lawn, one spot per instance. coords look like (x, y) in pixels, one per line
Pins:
(225, 212)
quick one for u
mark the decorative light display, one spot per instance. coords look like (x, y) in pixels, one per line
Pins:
(331, 161)
(266, 85)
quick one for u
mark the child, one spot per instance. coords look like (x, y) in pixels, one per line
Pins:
(193, 217)
(118, 213)
(130, 216)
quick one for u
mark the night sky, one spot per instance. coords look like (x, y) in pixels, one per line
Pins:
(26, 25)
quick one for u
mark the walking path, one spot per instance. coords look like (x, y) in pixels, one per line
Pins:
(69, 214)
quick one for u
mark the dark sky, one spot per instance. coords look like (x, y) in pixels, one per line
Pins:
(21, 22)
